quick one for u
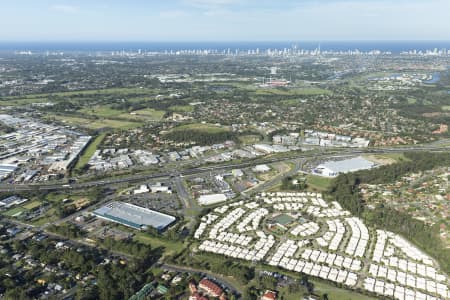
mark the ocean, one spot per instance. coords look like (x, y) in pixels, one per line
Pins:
(384, 46)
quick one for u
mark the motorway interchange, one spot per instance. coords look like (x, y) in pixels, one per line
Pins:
(328, 243)
(314, 154)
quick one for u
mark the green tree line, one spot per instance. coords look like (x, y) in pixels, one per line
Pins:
(345, 190)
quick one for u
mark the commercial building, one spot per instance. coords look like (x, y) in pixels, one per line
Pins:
(237, 172)
(334, 168)
(6, 170)
(11, 201)
(211, 199)
(141, 190)
(134, 216)
(261, 168)
(160, 188)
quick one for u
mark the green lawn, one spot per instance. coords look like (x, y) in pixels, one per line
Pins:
(284, 292)
(292, 92)
(14, 211)
(170, 247)
(23, 101)
(320, 288)
(207, 128)
(89, 151)
(49, 216)
(31, 205)
(148, 113)
(335, 293)
(102, 111)
(446, 107)
(56, 197)
(387, 158)
(249, 139)
(396, 156)
(96, 124)
(137, 94)
(412, 101)
(181, 108)
(116, 124)
(110, 91)
(318, 183)
(290, 102)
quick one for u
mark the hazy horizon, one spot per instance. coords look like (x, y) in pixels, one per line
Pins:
(158, 46)
(224, 20)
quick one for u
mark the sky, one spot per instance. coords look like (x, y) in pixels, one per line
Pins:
(223, 20)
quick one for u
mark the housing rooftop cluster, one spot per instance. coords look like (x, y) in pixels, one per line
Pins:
(301, 232)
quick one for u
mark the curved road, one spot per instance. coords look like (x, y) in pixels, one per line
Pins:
(222, 280)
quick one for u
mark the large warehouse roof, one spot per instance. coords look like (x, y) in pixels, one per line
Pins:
(134, 216)
(211, 199)
(333, 168)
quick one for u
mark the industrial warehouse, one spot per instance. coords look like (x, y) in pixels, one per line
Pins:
(134, 216)
(334, 168)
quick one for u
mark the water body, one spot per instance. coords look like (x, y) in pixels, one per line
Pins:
(384, 46)
(436, 77)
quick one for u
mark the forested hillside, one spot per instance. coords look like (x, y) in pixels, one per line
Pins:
(345, 190)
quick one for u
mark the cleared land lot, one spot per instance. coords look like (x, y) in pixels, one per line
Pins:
(170, 247)
(337, 293)
(292, 92)
(102, 111)
(132, 94)
(318, 183)
(89, 151)
(32, 205)
(386, 159)
(96, 124)
(14, 211)
(105, 111)
(206, 128)
(181, 108)
(146, 114)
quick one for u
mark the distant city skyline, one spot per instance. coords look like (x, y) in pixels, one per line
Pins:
(223, 20)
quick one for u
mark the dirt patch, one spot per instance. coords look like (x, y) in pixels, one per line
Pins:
(80, 203)
(380, 160)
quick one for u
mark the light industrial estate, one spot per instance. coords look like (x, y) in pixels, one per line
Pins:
(37, 151)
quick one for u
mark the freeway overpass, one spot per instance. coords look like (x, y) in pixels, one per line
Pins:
(199, 170)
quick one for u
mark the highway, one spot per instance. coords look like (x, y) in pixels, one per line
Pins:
(199, 170)
(298, 158)
(267, 185)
